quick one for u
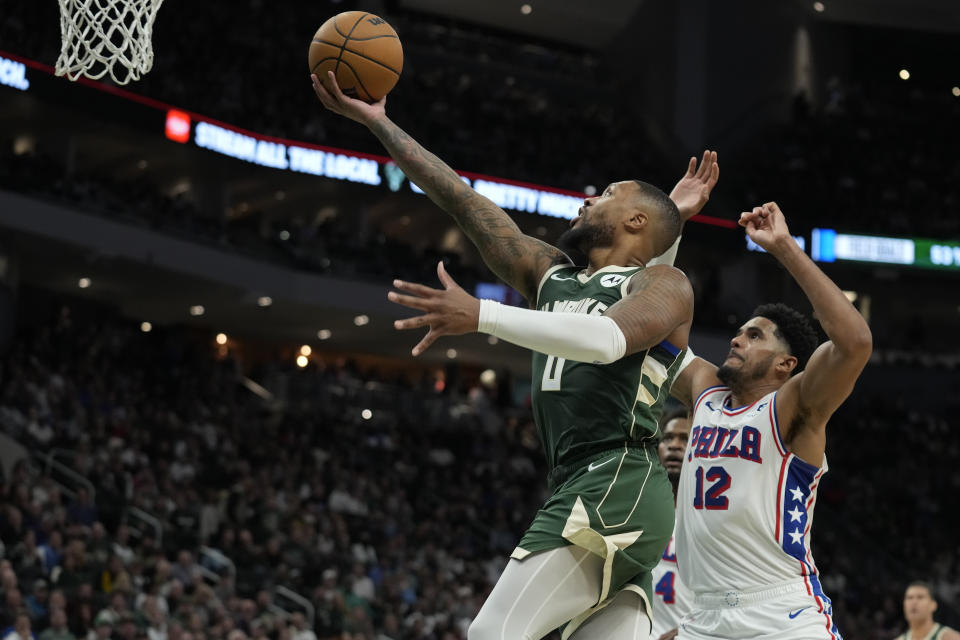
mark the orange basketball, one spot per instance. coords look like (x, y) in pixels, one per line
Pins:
(362, 50)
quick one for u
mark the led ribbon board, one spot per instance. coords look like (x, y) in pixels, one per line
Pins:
(830, 246)
(344, 165)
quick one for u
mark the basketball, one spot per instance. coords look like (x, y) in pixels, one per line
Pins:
(362, 50)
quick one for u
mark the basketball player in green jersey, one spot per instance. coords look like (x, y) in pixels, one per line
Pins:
(918, 607)
(607, 339)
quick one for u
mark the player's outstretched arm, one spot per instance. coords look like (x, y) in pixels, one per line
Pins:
(807, 400)
(658, 307)
(691, 194)
(693, 190)
(518, 259)
(693, 379)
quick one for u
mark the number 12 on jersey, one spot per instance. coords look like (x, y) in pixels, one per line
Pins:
(714, 498)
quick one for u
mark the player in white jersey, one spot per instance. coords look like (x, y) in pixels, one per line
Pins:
(757, 453)
(671, 597)
(918, 607)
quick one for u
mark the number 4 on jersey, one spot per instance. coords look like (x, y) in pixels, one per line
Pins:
(665, 588)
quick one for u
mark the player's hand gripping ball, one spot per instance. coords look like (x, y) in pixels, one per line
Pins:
(362, 50)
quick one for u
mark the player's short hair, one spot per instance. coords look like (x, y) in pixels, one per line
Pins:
(672, 413)
(925, 585)
(793, 328)
(665, 213)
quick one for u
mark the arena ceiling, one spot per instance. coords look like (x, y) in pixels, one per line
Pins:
(586, 24)
(594, 24)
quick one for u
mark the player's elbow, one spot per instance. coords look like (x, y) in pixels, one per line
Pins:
(858, 343)
(863, 340)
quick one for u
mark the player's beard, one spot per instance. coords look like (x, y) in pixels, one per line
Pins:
(738, 378)
(578, 241)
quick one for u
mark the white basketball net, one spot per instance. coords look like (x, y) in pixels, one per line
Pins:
(106, 36)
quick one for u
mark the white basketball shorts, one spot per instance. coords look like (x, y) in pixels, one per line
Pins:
(795, 610)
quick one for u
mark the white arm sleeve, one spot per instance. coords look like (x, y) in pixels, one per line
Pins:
(574, 336)
(668, 256)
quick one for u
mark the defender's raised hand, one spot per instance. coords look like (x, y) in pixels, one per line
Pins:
(692, 192)
(450, 311)
(334, 100)
(767, 227)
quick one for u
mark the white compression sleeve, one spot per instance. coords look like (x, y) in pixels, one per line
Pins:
(574, 336)
(668, 256)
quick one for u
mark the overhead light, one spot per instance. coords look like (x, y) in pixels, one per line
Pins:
(851, 296)
(366, 414)
(23, 145)
(361, 320)
(904, 74)
(305, 350)
(264, 301)
(284, 235)
(280, 195)
(955, 91)
(525, 9)
(84, 283)
(142, 164)
(492, 339)
(221, 338)
(818, 7)
(197, 310)
(302, 361)
(324, 334)
(488, 378)
(180, 187)
(451, 353)
(590, 190)
(146, 327)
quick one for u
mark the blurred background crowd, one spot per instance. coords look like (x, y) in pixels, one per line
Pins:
(156, 485)
(386, 503)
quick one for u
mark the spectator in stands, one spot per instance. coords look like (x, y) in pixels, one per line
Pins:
(12, 607)
(36, 603)
(299, 629)
(102, 628)
(21, 629)
(58, 627)
(51, 552)
(81, 510)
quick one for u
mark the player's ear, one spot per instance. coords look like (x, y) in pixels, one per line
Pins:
(786, 364)
(637, 221)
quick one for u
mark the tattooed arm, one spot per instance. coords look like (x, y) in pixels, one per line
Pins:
(518, 259)
(658, 306)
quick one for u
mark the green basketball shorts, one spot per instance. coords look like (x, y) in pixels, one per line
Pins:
(617, 504)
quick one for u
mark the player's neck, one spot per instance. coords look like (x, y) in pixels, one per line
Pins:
(742, 397)
(920, 630)
(600, 257)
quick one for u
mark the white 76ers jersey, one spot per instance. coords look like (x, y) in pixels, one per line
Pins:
(671, 598)
(744, 503)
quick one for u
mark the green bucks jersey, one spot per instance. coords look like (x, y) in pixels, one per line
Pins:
(581, 408)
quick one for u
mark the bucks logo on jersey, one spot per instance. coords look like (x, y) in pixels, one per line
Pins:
(581, 407)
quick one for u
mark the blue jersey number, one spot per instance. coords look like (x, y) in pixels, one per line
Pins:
(714, 498)
(665, 588)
